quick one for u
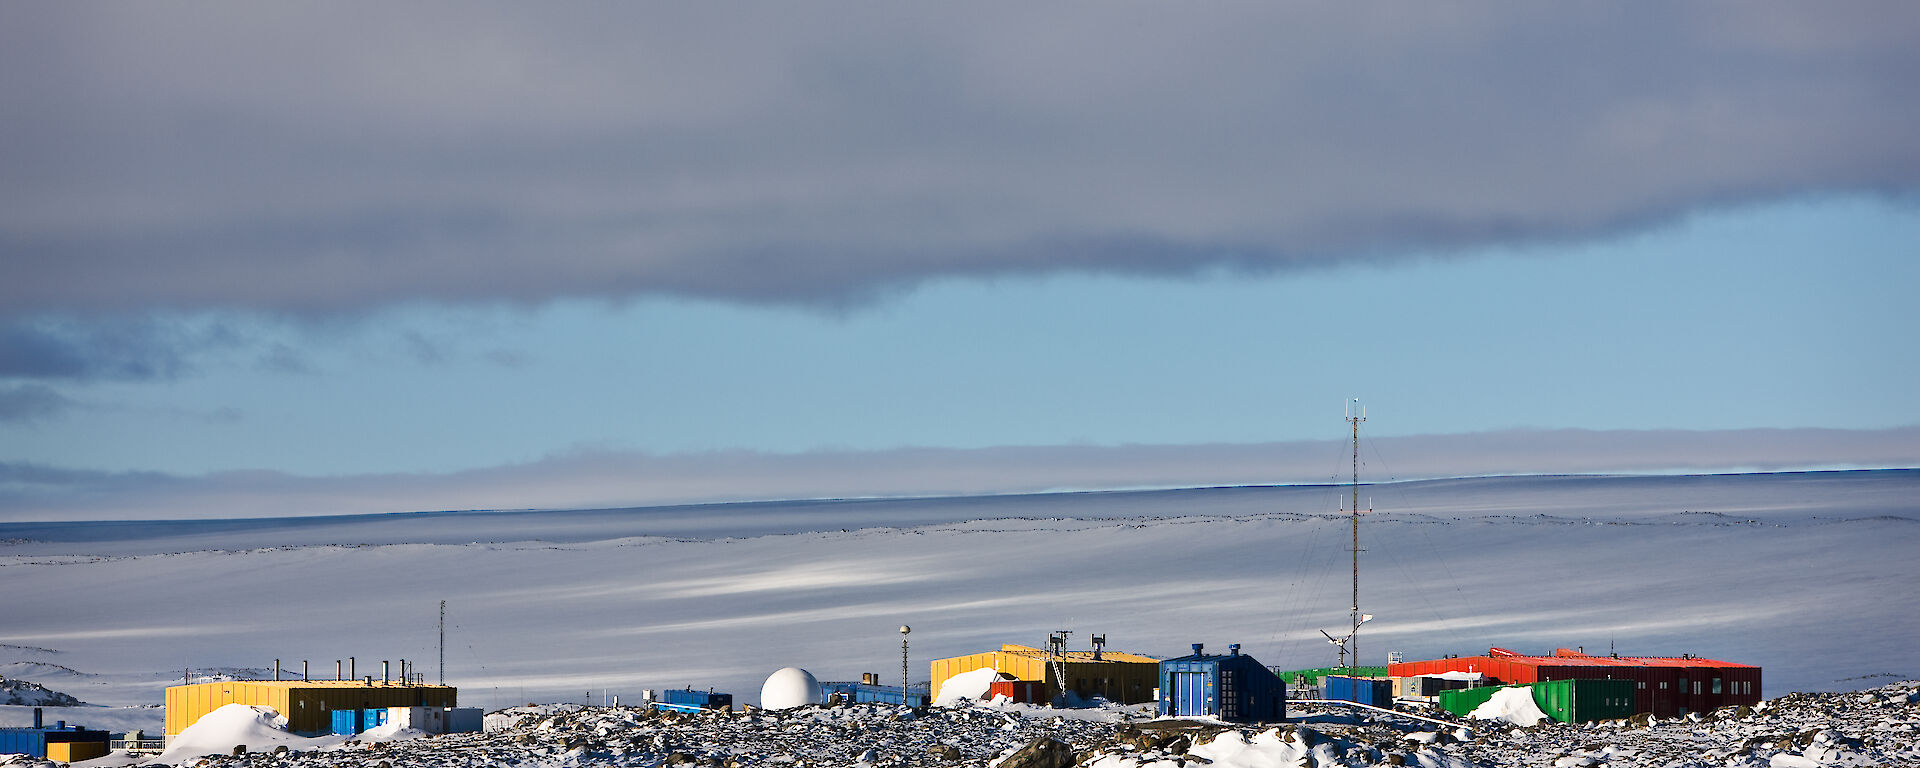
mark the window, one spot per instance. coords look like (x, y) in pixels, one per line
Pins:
(1696, 687)
(1643, 685)
(1663, 685)
(1716, 685)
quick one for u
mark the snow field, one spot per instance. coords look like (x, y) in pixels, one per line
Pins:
(562, 606)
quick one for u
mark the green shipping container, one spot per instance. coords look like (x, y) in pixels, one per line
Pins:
(1460, 701)
(1312, 676)
(1584, 701)
(1566, 701)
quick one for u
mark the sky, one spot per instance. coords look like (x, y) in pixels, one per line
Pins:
(326, 258)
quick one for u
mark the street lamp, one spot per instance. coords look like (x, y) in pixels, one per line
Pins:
(904, 629)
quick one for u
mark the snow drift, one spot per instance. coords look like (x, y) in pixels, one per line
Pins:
(219, 731)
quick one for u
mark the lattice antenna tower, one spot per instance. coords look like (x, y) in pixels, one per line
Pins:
(1057, 653)
(1356, 414)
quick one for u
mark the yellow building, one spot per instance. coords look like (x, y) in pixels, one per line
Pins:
(1112, 675)
(307, 704)
(75, 751)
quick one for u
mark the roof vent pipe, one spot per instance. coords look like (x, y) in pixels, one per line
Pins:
(37, 722)
(1198, 648)
(1233, 650)
(276, 670)
(383, 670)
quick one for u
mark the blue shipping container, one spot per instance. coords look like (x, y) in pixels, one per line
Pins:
(346, 722)
(701, 699)
(23, 741)
(372, 718)
(1234, 687)
(1360, 690)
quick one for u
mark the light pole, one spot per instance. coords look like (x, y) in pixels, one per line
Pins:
(904, 629)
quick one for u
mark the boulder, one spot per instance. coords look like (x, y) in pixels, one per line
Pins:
(1042, 752)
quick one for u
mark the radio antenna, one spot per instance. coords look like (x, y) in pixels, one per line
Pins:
(1355, 415)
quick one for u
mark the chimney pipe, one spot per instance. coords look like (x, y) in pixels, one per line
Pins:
(37, 722)
(352, 673)
(1198, 648)
(383, 670)
(303, 671)
(276, 670)
(1233, 650)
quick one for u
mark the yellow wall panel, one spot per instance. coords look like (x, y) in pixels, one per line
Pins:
(70, 751)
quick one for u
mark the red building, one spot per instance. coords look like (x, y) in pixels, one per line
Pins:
(1665, 686)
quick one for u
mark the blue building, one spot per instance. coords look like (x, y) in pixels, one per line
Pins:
(1234, 688)
(62, 742)
(1373, 692)
(690, 700)
(872, 693)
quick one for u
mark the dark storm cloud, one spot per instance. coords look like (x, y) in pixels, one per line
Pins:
(104, 349)
(605, 479)
(322, 157)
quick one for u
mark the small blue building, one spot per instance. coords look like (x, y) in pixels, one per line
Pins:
(1372, 692)
(872, 693)
(60, 741)
(690, 700)
(1234, 688)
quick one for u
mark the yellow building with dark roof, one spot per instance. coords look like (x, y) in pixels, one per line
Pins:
(306, 704)
(1112, 675)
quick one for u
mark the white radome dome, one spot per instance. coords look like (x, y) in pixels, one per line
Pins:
(789, 688)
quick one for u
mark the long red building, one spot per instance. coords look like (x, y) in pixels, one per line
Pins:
(1666, 686)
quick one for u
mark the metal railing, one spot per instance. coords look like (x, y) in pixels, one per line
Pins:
(138, 746)
(1382, 710)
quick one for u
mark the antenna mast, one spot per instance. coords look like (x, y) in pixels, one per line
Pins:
(1355, 415)
(443, 642)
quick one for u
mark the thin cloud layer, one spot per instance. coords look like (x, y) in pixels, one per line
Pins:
(325, 158)
(38, 493)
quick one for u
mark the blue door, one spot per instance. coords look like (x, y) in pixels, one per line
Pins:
(1192, 694)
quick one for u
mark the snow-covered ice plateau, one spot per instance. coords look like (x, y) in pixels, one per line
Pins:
(1800, 573)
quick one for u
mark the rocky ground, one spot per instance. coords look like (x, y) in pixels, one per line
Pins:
(1877, 727)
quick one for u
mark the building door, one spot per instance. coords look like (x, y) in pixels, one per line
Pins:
(1192, 694)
